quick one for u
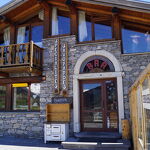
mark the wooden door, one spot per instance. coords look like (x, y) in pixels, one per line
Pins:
(99, 108)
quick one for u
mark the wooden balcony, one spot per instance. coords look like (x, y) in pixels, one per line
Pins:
(21, 58)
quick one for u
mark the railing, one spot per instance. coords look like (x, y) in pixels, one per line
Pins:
(26, 54)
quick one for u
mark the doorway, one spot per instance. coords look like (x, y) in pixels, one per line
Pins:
(99, 105)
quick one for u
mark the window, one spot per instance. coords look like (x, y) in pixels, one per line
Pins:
(1, 39)
(94, 27)
(2, 97)
(26, 97)
(60, 22)
(31, 29)
(5, 37)
(135, 38)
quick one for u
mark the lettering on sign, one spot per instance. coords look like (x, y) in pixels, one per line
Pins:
(97, 64)
(62, 100)
(56, 66)
(64, 68)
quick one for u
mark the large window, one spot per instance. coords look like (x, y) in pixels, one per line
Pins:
(135, 38)
(60, 22)
(93, 27)
(22, 97)
(32, 29)
(26, 97)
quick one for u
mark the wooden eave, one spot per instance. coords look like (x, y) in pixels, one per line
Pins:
(31, 7)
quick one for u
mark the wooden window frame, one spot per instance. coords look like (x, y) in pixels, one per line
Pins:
(93, 21)
(65, 14)
(30, 25)
(9, 99)
(133, 26)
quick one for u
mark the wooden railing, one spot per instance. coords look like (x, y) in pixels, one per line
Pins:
(26, 54)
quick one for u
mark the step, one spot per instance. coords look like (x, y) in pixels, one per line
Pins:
(120, 145)
(102, 135)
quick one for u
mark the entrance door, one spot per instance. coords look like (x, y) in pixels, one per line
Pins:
(99, 108)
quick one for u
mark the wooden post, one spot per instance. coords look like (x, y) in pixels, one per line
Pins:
(8, 97)
(74, 20)
(12, 34)
(31, 54)
(116, 27)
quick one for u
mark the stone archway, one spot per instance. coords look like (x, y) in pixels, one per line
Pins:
(77, 76)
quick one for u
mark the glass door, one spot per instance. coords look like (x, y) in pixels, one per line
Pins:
(99, 105)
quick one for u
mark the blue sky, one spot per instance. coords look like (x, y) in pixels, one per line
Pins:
(2, 2)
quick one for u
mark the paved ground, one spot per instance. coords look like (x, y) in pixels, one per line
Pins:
(12, 143)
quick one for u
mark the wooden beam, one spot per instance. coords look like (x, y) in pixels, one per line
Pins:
(2, 74)
(34, 79)
(12, 34)
(116, 26)
(8, 97)
(74, 20)
(47, 17)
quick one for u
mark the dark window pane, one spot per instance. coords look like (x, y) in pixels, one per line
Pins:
(102, 31)
(135, 41)
(35, 96)
(63, 25)
(2, 97)
(20, 101)
(37, 33)
(27, 35)
(92, 96)
(1, 39)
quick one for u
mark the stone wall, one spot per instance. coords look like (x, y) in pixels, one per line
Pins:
(24, 124)
(132, 64)
(31, 124)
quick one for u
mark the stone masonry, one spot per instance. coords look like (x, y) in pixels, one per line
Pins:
(31, 124)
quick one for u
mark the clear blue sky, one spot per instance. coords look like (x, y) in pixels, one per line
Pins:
(2, 2)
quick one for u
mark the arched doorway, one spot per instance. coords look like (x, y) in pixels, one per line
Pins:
(98, 94)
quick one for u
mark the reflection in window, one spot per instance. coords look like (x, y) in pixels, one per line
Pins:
(20, 100)
(23, 34)
(2, 97)
(35, 96)
(92, 96)
(92, 29)
(60, 22)
(135, 40)
(102, 31)
(37, 33)
(27, 97)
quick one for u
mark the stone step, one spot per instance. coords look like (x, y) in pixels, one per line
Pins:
(94, 146)
(102, 135)
(120, 145)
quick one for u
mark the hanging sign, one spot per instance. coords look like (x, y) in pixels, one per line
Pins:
(56, 66)
(64, 69)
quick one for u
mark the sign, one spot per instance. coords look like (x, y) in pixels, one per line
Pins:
(56, 66)
(20, 85)
(97, 65)
(61, 100)
(64, 68)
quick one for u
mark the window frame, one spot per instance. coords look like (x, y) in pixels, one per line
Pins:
(133, 26)
(105, 18)
(64, 14)
(9, 99)
(30, 25)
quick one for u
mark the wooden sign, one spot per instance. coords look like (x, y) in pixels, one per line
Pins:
(64, 69)
(61, 100)
(56, 66)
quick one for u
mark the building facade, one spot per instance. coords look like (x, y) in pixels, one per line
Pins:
(85, 53)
